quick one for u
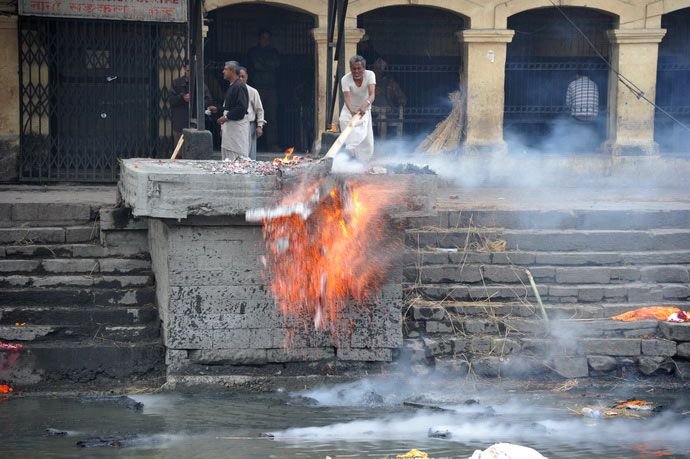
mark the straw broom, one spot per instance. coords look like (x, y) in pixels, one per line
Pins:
(447, 134)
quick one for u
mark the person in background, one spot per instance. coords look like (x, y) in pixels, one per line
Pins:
(359, 91)
(264, 61)
(255, 114)
(582, 98)
(180, 101)
(234, 124)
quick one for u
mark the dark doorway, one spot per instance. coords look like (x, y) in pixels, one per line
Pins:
(673, 84)
(423, 55)
(93, 92)
(234, 30)
(542, 60)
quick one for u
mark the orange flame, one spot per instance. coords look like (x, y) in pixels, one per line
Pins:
(288, 158)
(341, 252)
(5, 389)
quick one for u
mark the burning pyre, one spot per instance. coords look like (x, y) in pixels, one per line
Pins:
(328, 244)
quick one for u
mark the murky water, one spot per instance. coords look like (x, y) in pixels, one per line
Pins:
(364, 419)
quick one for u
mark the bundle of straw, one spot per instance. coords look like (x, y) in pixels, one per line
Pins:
(447, 134)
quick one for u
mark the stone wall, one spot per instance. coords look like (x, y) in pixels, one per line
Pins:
(219, 316)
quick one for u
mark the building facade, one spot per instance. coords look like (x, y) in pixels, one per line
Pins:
(514, 58)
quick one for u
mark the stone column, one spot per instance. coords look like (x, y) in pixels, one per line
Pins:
(484, 53)
(321, 86)
(352, 36)
(9, 111)
(630, 120)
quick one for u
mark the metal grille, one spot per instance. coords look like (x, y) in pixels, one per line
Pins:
(542, 60)
(233, 32)
(93, 92)
(673, 83)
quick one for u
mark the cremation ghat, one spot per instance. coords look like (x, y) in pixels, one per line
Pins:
(220, 320)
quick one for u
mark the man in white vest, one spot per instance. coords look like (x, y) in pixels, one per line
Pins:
(255, 114)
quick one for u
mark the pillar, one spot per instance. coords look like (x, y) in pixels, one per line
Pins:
(321, 86)
(352, 36)
(630, 121)
(9, 111)
(484, 53)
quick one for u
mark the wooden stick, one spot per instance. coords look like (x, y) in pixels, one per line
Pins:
(335, 148)
(536, 294)
(178, 147)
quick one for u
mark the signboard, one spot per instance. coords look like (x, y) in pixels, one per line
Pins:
(131, 10)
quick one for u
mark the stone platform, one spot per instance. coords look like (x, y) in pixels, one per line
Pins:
(218, 316)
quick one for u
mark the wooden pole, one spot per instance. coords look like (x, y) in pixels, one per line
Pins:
(178, 147)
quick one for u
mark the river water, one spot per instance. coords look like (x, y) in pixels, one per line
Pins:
(367, 419)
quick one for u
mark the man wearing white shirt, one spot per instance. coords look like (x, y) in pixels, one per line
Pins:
(255, 114)
(359, 91)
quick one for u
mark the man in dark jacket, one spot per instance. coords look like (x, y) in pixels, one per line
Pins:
(179, 102)
(234, 125)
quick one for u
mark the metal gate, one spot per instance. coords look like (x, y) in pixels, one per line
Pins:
(93, 92)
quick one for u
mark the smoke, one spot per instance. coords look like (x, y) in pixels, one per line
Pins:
(545, 421)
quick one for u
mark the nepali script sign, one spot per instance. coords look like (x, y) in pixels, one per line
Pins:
(131, 10)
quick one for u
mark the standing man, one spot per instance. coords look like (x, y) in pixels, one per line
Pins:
(234, 124)
(359, 91)
(179, 103)
(582, 98)
(264, 61)
(180, 100)
(255, 114)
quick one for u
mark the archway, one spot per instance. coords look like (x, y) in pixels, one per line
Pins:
(233, 31)
(673, 83)
(544, 57)
(422, 54)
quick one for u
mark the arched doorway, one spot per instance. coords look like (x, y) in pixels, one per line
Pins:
(544, 57)
(233, 31)
(422, 54)
(673, 81)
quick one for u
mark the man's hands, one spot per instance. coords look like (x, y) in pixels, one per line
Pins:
(186, 97)
(259, 131)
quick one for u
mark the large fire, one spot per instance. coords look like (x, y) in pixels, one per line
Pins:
(338, 251)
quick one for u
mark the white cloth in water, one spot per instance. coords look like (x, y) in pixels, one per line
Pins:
(507, 451)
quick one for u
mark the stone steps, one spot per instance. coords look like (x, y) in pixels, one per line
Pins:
(79, 315)
(86, 280)
(31, 235)
(91, 250)
(74, 265)
(58, 365)
(66, 296)
(434, 310)
(54, 333)
(634, 292)
(551, 240)
(434, 257)
(470, 273)
(579, 219)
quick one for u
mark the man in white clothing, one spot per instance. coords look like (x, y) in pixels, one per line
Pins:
(359, 91)
(255, 114)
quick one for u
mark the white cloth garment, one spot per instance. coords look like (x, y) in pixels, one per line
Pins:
(234, 139)
(360, 142)
(255, 116)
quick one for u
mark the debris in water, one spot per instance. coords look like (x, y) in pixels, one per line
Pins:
(439, 432)
(507, 451)
(413, 454)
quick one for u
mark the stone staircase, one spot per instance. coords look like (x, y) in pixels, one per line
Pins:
(76, 289)
(470, 305)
